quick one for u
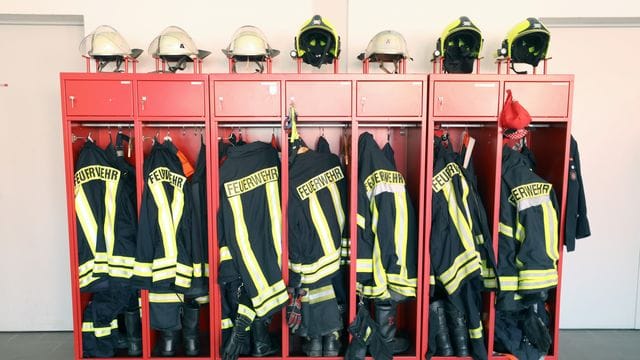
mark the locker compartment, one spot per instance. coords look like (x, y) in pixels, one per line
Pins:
(166, 98)
(541, 98)
(246, 98)
(407, 144)
(320, 98)
(187, 139)
(99, 97)
(465, 98)
(389, 98)
(483, 161)
(102, 137)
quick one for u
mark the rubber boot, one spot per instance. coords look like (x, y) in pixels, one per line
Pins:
(458, 330)
(167, 342)
(190, 333)
(386, 320)
(261, 339)
(439, 318)
(133, 326)
(331, 344)
(313, 346)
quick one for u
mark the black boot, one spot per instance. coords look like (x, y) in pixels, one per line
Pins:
(261, 339)
(313, 346)
(386, 319)
(458, 330)
(134, 332)
(437, 316)
(167, 342)
(190, 333)
(331, 344)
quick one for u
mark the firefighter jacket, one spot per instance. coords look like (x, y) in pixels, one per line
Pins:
(460, 245)
(316, 213)
(528, 232)
(249, 225)
(198, 246)
(162, 262)
(387, 231)
(577, 223)
(105, 218)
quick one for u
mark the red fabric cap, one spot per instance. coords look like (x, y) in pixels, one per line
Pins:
(513, 115)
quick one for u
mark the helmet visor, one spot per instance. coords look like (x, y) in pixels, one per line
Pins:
(104, 41)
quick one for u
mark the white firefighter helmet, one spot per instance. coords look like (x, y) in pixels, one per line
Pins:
(387, 42)
(176, 47)
(249, 41)
(105, 44)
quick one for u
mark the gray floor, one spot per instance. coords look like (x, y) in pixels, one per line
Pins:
(574, 345)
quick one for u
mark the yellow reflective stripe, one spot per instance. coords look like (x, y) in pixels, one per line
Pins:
(401, 232)
(87, 279)
(246, 253)
(125, 261)
(86, 218)
(432, 280)
(361, 221)
(100, 257)
(379, 273)
(100, 268)
(465, 271)
(142, 269)
(318, 295)
(273, 303)
(177, 207)
(164, 262)
(476, 333)
(458, 219)
(166, 298)
(401, 280)
(337, 204)
(87, 327)
(465, 201)
(508, 283)
(316, 266)
(268, 292)
(458, 262)
(479, 239)
(227, 323)
(183, 282)
(120, 272)
(550, 231)
(197, 270)
(202, 299)
(364, 265)
(321, 225)
(159, 275)
(184, 270)
(246, 311)
(165, 219)
(85, 268)
(111, 187)
(520, 232)
(537, 279)
(328, 270)
(403, 290)
(225, 254)
(490, 283)
(273, 199)
(505, 229)
(102, 332)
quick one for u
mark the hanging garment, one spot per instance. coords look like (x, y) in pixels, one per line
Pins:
(387, 230)
(316, 213)
(198, 247)
(577, 223)
(249, 225)
(105, 219)
(528, 245)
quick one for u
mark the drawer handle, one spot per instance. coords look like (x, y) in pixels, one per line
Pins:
(220, 102)
(143, 100)
(363, 100)
(72, 99)
(440, 100)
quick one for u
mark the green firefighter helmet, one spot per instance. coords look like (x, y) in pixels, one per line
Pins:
(317, 42)
(527, 42)
(460, 45)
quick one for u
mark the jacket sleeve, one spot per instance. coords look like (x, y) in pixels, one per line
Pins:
(184, 265)
(582, 229)
(227, 271)
(296, 238)
(147, 232)
(536, 229)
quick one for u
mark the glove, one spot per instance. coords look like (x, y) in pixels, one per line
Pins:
(239, 340)
(294, 308)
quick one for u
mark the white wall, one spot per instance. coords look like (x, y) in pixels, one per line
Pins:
(34, 243)
(601, 278)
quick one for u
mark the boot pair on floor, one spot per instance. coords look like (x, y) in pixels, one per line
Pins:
(328, 345)
(452, 337)
(168, 339)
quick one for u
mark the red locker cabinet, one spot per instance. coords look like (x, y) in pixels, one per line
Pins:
(390, 99)
(249, 98)
(472, 103)
(98, 95)
(172, 96)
